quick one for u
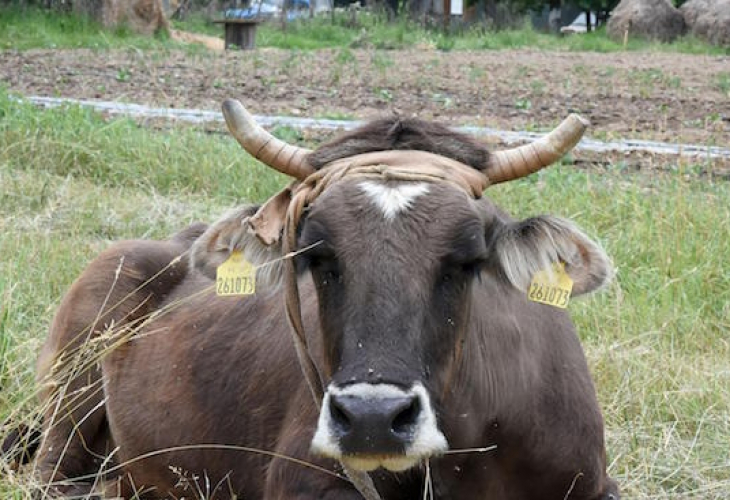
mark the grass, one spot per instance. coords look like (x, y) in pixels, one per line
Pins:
(656, 340)
(723, 83)
(112, 154)
(30, 28)
(374, 32)
(27, 28)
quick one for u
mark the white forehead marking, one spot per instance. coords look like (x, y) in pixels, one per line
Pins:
(393, 199)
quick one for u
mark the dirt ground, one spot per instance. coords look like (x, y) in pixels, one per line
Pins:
(667, 97)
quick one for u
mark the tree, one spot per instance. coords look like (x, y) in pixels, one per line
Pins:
(602, 8)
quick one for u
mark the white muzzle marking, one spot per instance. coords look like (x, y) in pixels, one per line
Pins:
(427, 439)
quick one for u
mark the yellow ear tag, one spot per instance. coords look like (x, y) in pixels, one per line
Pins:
(235, 277)
(551, 287)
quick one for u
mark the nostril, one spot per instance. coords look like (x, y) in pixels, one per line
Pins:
(405, 420)
(341, 421)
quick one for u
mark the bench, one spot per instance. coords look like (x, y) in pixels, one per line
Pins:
(240, 33)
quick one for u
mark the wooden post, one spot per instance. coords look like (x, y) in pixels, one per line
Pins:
(447, 16)
(240, 33)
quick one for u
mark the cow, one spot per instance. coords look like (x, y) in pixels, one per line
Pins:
(391, 349)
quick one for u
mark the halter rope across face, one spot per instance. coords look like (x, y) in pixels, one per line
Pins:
(269, 223)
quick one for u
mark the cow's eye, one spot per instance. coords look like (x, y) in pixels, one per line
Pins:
(450, 274)
(325, 268)
(468, 254)
(331, 277)
(454, 272)
(472, 267)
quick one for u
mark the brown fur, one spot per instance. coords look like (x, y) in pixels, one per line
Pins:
(425, 296)
(396, 133)
(97, 301)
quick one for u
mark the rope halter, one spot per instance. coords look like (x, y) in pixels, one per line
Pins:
(415, 166)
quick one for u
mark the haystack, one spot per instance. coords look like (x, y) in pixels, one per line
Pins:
(708, 19)
(649, 19)
(145, 17)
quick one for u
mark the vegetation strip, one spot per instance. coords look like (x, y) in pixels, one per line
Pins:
(508, 137)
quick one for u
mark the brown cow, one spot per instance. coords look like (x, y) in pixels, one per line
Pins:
(436, 370)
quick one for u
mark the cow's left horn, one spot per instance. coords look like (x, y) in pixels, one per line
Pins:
(286, 158)
(518, 162)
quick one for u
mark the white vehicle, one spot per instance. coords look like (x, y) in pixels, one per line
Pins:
(579, 24)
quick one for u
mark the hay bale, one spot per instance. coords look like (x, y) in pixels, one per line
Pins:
(649, 19)
(708, 19)
(145, 17)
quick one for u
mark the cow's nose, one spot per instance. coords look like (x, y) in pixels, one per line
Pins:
(381, 425)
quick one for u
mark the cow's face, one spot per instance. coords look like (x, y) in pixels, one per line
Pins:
(393, 264)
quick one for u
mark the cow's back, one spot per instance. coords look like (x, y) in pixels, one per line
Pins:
(124, 283)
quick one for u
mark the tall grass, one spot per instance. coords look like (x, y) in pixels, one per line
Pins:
(656, 340)
(374, 31)
(25, 28)
(77, 143)
(29, 27)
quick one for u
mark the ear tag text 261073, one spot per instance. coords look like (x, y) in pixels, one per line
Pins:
(235, 277)
(551, 286)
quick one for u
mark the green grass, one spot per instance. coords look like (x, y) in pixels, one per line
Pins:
(28, 28)
(723, 83)
(656, 339)
(77, 143)
(374, 32)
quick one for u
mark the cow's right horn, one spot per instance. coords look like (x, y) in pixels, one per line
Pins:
(286, 158)
(522, 161)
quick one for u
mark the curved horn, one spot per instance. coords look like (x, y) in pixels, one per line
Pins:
(286, 158)
(522, 161)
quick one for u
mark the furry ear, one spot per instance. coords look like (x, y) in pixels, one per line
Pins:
(526, 247)
(232, 232)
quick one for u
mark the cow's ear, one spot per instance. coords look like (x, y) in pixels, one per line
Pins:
(523, 248)
(232, 232)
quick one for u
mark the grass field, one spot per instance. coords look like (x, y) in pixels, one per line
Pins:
(657, 343)
(27, 28)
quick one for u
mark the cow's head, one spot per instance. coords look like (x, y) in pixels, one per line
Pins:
(397, 236)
